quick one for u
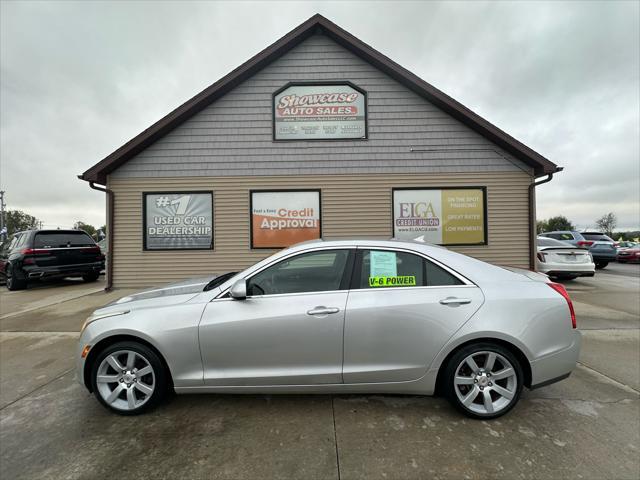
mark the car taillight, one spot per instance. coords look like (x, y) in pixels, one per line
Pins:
(34, 251)
(541, 257)
(563, 291)
(585, 243)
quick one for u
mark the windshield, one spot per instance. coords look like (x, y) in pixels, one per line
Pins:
(219, 280)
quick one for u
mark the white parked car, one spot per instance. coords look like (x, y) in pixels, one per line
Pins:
(562, 260)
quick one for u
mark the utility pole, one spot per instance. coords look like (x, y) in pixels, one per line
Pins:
(3, 225)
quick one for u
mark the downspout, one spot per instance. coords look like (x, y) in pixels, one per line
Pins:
(532, 218)
(109, 193)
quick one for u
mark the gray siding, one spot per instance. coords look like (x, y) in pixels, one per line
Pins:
(233, 136)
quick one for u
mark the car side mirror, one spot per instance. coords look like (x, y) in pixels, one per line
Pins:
(239, 290)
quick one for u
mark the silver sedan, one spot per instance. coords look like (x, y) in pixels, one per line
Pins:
(337, 317)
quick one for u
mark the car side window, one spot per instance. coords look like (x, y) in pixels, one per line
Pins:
(439, 277)
(24, 239)
(14, 242)
(319, 271)
(386, 268)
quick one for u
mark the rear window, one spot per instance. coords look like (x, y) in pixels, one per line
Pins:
(560, 236)
(62, 239)
(550, 242)
(597, 237)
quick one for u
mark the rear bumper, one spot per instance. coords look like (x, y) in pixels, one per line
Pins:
(568, 269)
(569, 273)
(603, 256)
(33, 271)
(556, 366)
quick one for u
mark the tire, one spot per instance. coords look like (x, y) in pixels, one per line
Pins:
(13, 282)
(125, 395)
(91, 277)
(601, 265)
(467, 390)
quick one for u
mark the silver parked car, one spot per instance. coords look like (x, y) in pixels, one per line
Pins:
(348, 316)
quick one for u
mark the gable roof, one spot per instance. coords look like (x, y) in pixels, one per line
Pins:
(317, 24)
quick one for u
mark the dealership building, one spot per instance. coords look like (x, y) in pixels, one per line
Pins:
(317, 136)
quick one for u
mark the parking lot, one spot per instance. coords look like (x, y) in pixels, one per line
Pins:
(587, 426)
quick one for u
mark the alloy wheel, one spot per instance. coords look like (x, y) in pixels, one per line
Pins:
(125, 380)
(485, 382)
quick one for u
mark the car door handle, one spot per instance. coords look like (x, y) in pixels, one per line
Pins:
(322, 310)
(455, 301)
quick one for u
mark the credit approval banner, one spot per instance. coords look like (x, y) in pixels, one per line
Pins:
(283, 218)
(178, 221)
(319, 112)
(443, 216)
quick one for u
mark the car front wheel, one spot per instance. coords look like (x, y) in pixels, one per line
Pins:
(484, 380)
(601, 265)
(128, 378)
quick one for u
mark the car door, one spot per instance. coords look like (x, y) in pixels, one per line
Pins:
(401, 310)
(288, 331)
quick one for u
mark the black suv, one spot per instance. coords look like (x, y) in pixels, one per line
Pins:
(49, 253)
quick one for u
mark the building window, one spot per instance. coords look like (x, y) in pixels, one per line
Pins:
(281, 218)
(442, 216)
(178, 220)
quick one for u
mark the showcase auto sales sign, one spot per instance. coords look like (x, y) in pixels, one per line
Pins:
(319, 112)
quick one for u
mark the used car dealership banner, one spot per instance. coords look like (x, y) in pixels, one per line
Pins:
(440, 216)
(319, 112)
(283, 218)
(178, 221)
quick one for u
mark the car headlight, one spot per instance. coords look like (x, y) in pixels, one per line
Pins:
(93, 318)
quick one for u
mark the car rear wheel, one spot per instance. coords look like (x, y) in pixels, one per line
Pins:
(484, 380)
(14, 282)
(128, 378)
(91, 277)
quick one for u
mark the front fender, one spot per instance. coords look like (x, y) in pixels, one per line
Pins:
(171, 330)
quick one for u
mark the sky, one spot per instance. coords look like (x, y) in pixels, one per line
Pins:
(79, 79)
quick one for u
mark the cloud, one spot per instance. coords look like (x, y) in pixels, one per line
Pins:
(79, 79)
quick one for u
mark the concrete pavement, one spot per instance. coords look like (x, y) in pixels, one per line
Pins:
(587, 426)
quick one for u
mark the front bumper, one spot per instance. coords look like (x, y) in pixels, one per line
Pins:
(557, 365)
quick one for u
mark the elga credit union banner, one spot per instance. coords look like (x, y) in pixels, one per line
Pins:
(281, 219)
(319, 112)
(178, 221)
(440, 216)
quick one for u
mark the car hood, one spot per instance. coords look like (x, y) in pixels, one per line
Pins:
(170, 294)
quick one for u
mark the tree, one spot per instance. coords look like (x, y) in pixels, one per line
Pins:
(542, 226)
(90, 229)
(553, 224)
(17, 220)
(607, 223)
